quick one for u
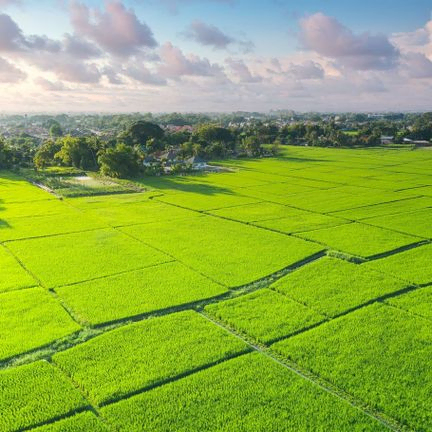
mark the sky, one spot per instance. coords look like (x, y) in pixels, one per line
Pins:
(215, 55)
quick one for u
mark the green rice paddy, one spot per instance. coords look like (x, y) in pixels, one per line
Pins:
(282, 294)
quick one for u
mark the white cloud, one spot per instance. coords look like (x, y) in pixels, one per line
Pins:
(116, 29)
(329, 38)
(9, 73)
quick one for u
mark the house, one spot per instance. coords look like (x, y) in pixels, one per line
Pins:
(421, 143)
(387, 139)
(169, 157)
(197, 163)
(150, 161)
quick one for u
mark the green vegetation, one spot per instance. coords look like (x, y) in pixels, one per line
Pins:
(301, 221)
(86, 421)
(40, 226)
(255, 212)
(229, 252)
(206, 198)
(360, 240)
(137, 292)
(264, 315)
(417, 302)
(418, 223)
(134, 212)
(143, 354)
(379, 354)
(33, 394)
(13, 274)
(278, 217)
(60, 265)
(16, 192)
(31, 318)
(333, 286)
(244, 394)
(391, 208)
(71, 182)
(146, 304)
(332, 200)
(412, 265)
(30, 209)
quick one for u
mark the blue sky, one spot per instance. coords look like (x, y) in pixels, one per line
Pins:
(192, 55)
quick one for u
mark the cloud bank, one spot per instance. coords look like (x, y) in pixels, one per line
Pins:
(111, 58)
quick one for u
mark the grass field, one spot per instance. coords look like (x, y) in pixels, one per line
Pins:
(143, 354)
(265, 315)
(13, 274)
(72, 258)
(283, 294)
(229, 252)
(333, 286)
(137, 292)
(31, 318)
(381, 355)
(35, 393)
(86, 421)
(267, 401)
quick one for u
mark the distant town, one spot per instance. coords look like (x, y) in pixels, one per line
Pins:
(125, 145)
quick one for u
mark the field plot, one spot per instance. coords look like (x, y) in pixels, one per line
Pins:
(140, 355)
(40, 226)
(265, 315)
(104, 201)
(22, 191)
(75, 186)
(229, 252)
(168, 310)
(360, 240)
(269, 397)
(200, 198)
(333, 286)
(13, 275)
(243, 178)
(72, 258)
(379, 354)
(138, 212)
(374, 183)
(86, 421)
(31, 318)
(33, 394)
(301, 221)
(391, 208)
(137, 292)
(418, 223)
(31, 208)
(404, 180)
(413, 265)
(331, 201)
(257, 212)
(278, 189)
(424, 190)
(418, 302)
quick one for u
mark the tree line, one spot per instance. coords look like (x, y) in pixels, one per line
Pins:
(124, 153)
(123, 156)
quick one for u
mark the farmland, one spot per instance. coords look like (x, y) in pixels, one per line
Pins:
(290, 293)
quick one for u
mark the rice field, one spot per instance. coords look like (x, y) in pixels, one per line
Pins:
(288, 294)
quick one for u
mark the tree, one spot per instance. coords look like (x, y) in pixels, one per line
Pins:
(4, 155)
(78, 152)
(55, 130)
(121, 161)
(140, 132)
(208, 134)
(45, 155)
(252, 145)
(275, 148)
